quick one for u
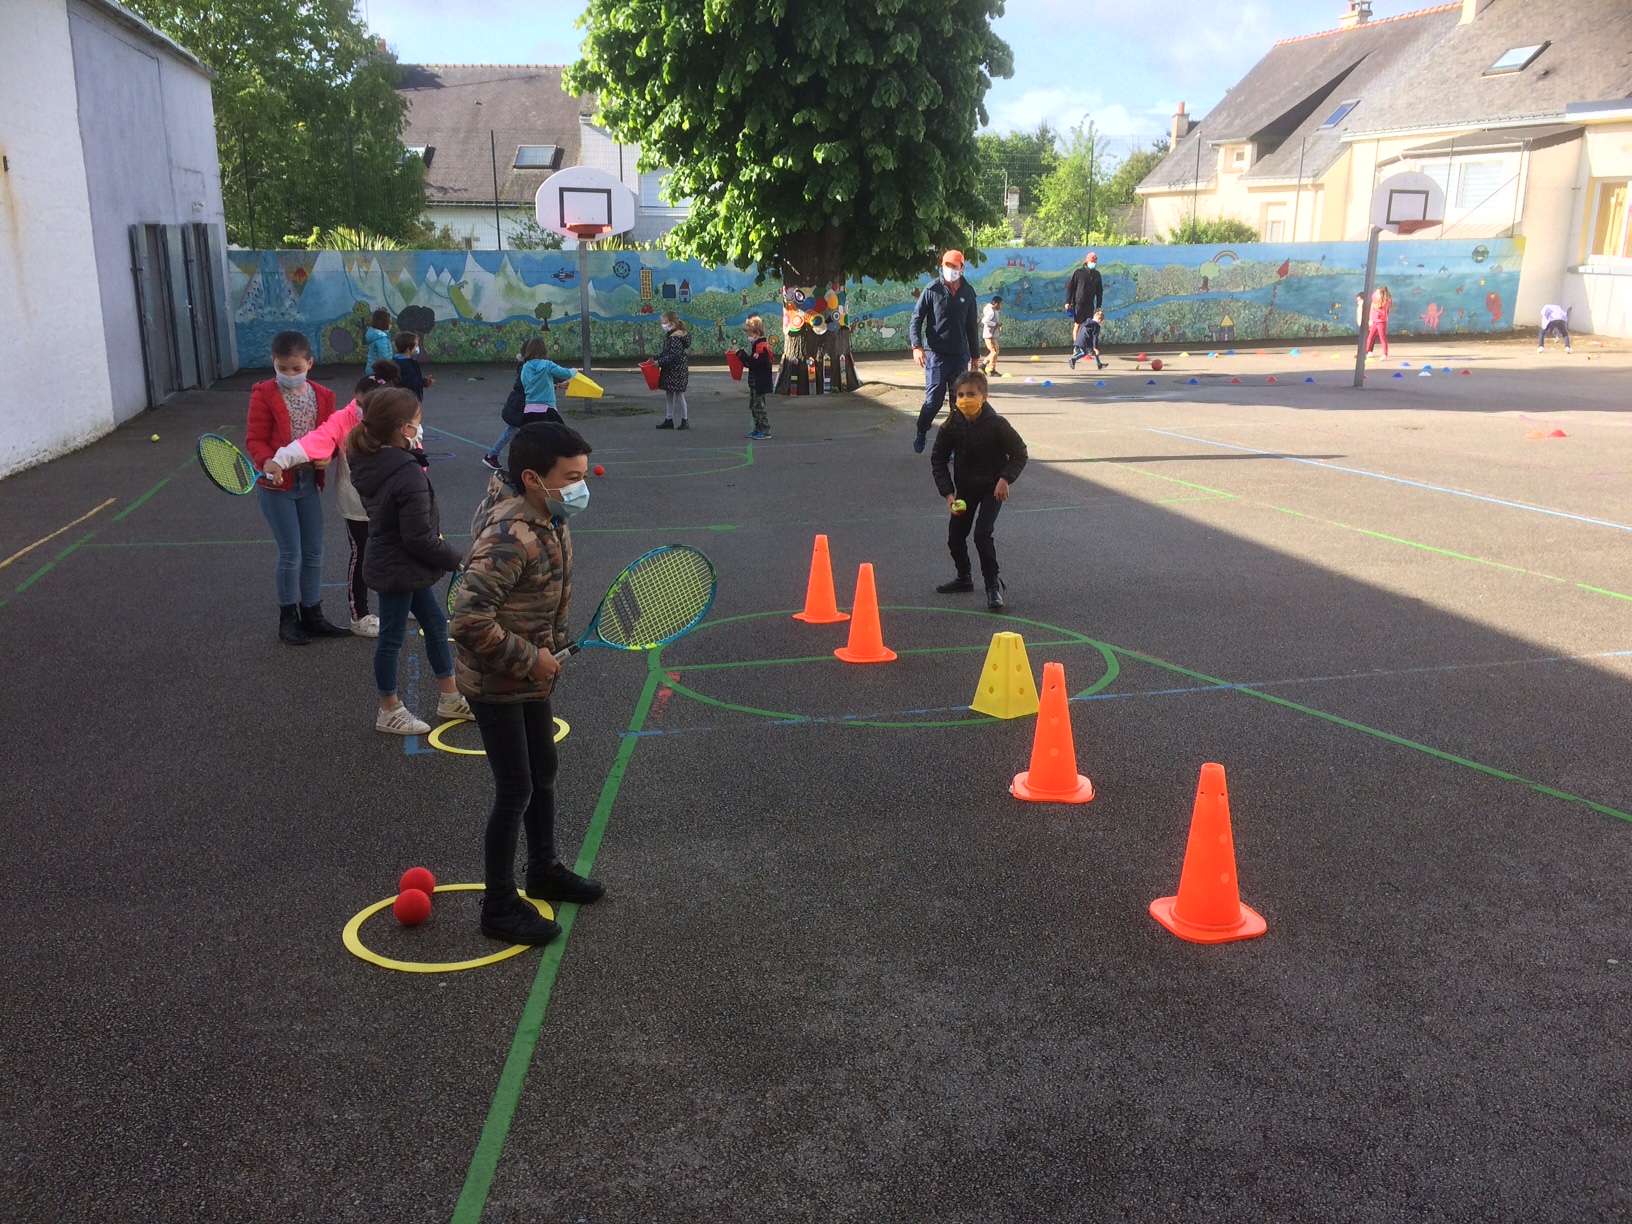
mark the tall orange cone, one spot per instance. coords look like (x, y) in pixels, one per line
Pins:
(866, 643)
(821, 606)
(1053, 776)
(1208, 909)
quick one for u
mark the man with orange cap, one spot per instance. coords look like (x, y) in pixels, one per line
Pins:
(945, 337)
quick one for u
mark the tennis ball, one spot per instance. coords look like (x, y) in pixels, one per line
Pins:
(599, 470)
(411, 907)
(154, 438)
(417, 877)
(959, 506)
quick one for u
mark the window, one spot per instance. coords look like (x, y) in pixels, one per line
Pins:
(1340, 114)
(1610, 231)
(423, 152)
(536, 157)
(1517, 59)
(1276, 231)
(651, 189)
(1477, 182)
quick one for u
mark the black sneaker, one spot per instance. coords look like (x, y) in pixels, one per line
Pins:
(994, 597)
(666, 423)
(490, 462)
(961, 583)
(1072, 364)
(918, 442)
(313, 621)
(518, 923)
(684, 424)
(290, 631)
(558, 882)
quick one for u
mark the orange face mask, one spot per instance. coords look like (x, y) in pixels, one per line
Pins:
(970, 403)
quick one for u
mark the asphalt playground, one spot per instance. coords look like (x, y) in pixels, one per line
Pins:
(840, 973)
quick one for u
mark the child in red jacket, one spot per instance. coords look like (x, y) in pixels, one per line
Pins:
(282, 409)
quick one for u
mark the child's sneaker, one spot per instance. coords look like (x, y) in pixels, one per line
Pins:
(685, 423)
(452, 705)
(1072, 364)
(490, 462)
(366, 626)
(961, 583)
(759, 436)
(666, 423)
(398, 720)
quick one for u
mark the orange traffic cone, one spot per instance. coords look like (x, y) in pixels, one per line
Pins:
(866, 643)
(1208, 909)
(1053, 776)
(821, 607)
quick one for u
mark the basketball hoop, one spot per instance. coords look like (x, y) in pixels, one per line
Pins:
(1407, 203)
(586, 231)
(585, 203)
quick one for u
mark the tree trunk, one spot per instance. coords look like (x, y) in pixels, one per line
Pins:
(812, 364)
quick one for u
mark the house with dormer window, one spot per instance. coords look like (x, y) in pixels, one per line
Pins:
(1522, 111)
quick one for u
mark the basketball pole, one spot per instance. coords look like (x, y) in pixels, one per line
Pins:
(583, 294)
(1365, 307)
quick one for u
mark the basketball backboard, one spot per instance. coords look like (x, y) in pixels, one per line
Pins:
(1408, 202)
(583, 202)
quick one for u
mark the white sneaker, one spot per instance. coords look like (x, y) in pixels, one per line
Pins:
(453, 705)
(366, 626)
(400, 721)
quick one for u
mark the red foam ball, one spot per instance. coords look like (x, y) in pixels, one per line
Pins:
(417, 877)
(599, 470)
(1156, 363)
(411, 907)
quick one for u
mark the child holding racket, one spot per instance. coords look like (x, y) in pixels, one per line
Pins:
(509, 616)
(282, 409)
(406, 553)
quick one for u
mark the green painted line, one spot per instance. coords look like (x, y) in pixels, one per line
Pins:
(1376, 733)
(32, 578)
(1601, 591)
(830, 658)
(501, 1113)
(136, 505)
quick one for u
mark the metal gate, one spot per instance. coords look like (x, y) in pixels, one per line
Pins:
(181, 306)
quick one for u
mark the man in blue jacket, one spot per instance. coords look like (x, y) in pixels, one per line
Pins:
(945, 338)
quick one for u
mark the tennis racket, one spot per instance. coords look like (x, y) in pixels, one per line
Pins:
(453, 588)
(662, 596)
(228, 468)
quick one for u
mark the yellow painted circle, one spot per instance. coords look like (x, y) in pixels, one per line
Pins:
(434, 739)
(354, 943)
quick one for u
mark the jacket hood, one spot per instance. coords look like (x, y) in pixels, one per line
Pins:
(371, 473)
(505, 503)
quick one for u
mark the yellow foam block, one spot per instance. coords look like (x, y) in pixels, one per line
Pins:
(581, 387)
(1007, 688)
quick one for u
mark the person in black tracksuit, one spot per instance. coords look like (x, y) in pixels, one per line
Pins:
(977, 456)
(1084, 294)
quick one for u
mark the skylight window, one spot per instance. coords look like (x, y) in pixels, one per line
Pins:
(423, 152)
(535, 157)
(1517, 59)
(1340, 114)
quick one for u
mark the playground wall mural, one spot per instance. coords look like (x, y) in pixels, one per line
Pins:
(482, 305)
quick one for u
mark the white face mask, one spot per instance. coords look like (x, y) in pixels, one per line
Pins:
(416, 440)
(951, 275)
(290, 381)
(572, 499)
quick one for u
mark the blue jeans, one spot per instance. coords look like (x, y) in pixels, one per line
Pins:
(940, 369)
(427, 609)
(495, 450)
(295, 514)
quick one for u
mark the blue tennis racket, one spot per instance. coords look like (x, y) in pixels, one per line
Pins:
(662, 596)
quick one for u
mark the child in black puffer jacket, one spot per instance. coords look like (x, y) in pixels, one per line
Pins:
(977, 456)
(406, 553)
(674, 368)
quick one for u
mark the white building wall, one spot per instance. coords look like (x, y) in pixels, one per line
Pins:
(1597, 288)
(56, 394)
(147, 126)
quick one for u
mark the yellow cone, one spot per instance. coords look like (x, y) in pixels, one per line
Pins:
(1007, 688)
(583, 388)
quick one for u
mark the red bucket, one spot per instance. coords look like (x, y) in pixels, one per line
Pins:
(649, 368)
(735, 362)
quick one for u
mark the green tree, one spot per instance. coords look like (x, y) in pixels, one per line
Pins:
(1120, 190)
(1019, 159)
(308, 120)
(1212, 230)
(1071, 203)
(529, 235)
(819, 140)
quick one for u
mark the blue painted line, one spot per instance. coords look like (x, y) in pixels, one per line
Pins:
(1495, 501)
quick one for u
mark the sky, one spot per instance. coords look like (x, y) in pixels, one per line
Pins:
(1121, 63)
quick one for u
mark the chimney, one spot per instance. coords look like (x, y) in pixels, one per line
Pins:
(1470, 10)
(1359, 12)
(1181, 125)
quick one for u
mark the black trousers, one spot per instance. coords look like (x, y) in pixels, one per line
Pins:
(980, 518)
(358, 589)
(520, 740)
(1557, 325)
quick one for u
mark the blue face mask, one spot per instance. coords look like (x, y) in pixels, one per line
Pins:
(574, 499)
(290, 381)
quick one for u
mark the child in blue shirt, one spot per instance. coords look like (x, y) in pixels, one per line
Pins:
(378, 337)
(534, 394)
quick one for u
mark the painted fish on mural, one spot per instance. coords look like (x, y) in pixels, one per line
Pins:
(1493, 303)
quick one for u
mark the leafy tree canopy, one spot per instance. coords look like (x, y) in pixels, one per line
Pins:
(1211, 230)
(1071, 202)
(1018, 159)
(815, 139)
(308, 121)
